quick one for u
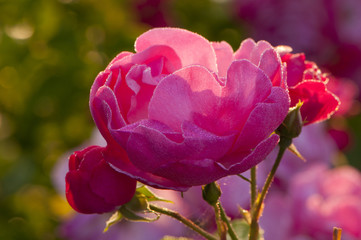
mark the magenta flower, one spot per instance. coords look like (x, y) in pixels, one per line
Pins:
(319, 199)
(187, 111)
(92, 186)
(324, 30)
(306, 83)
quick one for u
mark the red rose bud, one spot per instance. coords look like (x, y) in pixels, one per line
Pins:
(92, 186)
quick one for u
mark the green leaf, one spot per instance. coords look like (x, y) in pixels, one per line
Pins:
(115, 218)
(150, 196)
(241, 228)
(133, 216)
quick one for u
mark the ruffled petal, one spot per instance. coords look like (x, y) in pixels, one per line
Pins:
(258, 50)
(106, 112)
(246, 86)
(245, 49)
(172, 61)
(271, 65)
(118, 160)
(224, 53)
(197, 144)
(142, 83)
(295, 68)
(190, 47)
(192, 172)
(181, 95)
(243, 163)
(269, 114)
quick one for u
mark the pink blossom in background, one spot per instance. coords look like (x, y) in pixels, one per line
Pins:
(342, 137)
(328, 31)
(347, 91)
(183, 111)
(318, 200)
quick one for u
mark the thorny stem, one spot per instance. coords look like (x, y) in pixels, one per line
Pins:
(225, 219)
(183, 220)
(222, 229)
(254, 191)
(256, 208)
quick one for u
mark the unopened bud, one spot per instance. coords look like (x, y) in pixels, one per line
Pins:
(138, 203)
(211, 193)
(292, 125)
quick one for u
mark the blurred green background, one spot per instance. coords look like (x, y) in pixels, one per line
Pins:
(50, 53)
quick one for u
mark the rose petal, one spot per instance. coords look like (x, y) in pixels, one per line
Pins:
(271, 65)
(245, 49)
(140, 80)
(246, 86)
(172, 62)
(268, 114)
(241, 163)
(318, 103)
(114, 187)
(224, 53)
(119, 161)
(119, 57)
(192, 172)
(187, 91)
(77, 157)
(258, 50)
(197, 144)
(105, 111)
(80, 196)
(295, 68)
(190, 47)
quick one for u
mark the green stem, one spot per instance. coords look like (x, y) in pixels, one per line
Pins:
(244, 178)
(222, 231)
(253, 186)
(256, 209)
(225, 219)
(183, 220)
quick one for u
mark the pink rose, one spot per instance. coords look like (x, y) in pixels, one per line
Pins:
(183, 111)
(330, 198)
(306, 83)
(92, 186)
(318, 200)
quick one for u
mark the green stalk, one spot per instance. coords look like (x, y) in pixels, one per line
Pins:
(256, 209)
(253, 186)
(225, 219)
(183, 220)
(222, 230)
